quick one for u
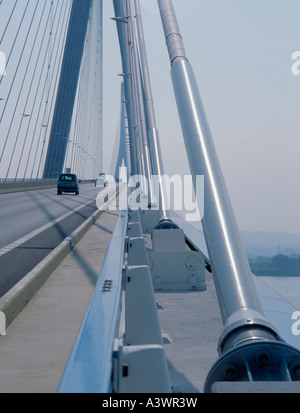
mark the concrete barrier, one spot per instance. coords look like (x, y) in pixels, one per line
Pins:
(10, 187)
(15, 300)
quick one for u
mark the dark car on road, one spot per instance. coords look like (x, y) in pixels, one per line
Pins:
(67, 183)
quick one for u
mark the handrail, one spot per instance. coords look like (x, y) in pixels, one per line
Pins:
(89, 368)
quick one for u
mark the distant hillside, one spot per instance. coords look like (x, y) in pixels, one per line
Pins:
(265, 244)
(270, 243)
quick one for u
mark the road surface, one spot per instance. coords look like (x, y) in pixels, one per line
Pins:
(33, 223)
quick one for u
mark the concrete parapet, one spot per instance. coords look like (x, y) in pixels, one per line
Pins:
(9, 187)
(13, 302)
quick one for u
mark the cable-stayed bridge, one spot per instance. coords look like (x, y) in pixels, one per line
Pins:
(50, 92)
(163, 308)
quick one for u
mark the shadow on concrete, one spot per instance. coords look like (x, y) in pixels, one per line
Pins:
(89, 272)
(180, 382)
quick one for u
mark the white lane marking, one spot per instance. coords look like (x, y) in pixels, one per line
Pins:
(37, 231)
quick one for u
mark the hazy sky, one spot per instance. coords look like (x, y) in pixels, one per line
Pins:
(241, 52)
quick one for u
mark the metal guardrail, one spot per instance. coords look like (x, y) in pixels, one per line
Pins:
(93, 349)
(21, 180)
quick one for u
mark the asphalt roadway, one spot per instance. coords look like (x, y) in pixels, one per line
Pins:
(34, 223)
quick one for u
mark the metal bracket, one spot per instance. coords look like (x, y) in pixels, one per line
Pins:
(172, 265)
(261, 361)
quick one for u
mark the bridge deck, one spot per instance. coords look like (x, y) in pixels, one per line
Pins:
(35, 350)
(191, 326)
(37, 344)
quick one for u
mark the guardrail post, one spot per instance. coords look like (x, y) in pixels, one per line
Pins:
(141, 317)
(140, 369)
(173, 265)
(140, 364)
(137, 254)
(149, 220)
